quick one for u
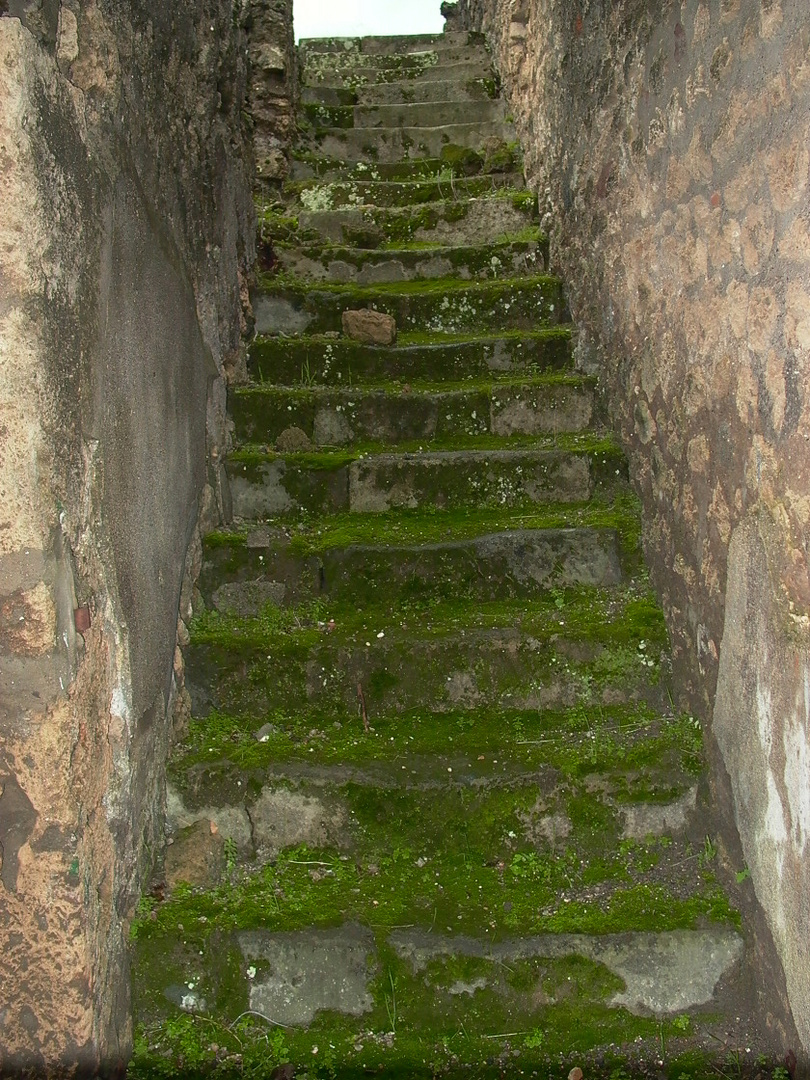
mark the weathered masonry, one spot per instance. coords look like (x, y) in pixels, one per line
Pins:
(453, 785)
(670, 149)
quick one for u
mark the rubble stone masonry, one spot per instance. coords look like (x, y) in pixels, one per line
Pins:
(670, 144)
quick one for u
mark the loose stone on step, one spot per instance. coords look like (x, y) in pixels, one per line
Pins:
(370, 327)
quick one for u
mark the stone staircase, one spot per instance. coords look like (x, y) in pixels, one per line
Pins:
(433, 813)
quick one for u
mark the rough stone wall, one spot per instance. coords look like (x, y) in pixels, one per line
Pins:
(126, 237)
(273, 88)
(670, 144)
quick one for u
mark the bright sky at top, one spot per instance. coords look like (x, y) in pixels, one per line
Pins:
(356, 18)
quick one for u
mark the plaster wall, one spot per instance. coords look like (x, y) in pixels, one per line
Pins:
(669, 145)
(126, 237)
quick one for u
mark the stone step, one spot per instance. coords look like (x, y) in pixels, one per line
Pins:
(393, 144)
(420, 114)
(322, 761)
(240, 579)
(441, 306)
(308, 166)
(341, 417)
(408, 74)
(263, 485)
(516, 655)
(337, 361)
(397, 65)
(495, 218)
(421, 262)
(407, 91)
(443, 187)
(395, 45)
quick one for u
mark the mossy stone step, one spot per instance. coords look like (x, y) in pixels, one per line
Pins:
(444, 89)
(307, 166)
(417, 114)
(340, 361)
(264, 484)
(393, 144)
(244, 672)
(235, 797)
(342, 417)
(395, 45)
(421, 262)
(481, 220)
(406, 73)
(490, 567)
(442, 187)
(440, 306)
(348, 61)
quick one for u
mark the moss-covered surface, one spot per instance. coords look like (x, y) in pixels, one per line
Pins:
(317, 195)
(417, 356)
(418, 258)
(410, 218)
(543, 404)
(482, 729)
(228, 553)
(443, 306)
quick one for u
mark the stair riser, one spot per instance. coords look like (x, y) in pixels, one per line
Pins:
(407, 91)
(410, 74)
(395, 45)
(349, 195)
(496, 669)
(497, 567)
(343, 418)
(506, 306)
(450, 223)
(392, 144)
(386, 482)
(309, 167)
(352, 266)
(414, 115)
(341, 362)
(398, 65)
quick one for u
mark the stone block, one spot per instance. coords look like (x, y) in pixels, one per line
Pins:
(370, 327)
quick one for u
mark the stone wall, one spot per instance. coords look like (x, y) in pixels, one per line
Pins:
(273, 89)
(126, 238)
(669, 143)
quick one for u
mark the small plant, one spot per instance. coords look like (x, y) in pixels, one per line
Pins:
(534, 1040)
(307, 378)
(528, 866)
(742, 875)
(391, 1002)
(682, 1024)
(708, 853)
(231, 854)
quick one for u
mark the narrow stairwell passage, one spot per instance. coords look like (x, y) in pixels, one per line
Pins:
(433, 814)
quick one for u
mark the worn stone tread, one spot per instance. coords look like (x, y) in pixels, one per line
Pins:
(344, 265)
(353, 193)
(390, 144)
(490, 566)
(343, 417)
(435, 306)
(445, 89)
(311, 360)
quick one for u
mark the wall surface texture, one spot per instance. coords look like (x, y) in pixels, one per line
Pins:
(670, 143)
(272, 91)
(126, 235)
